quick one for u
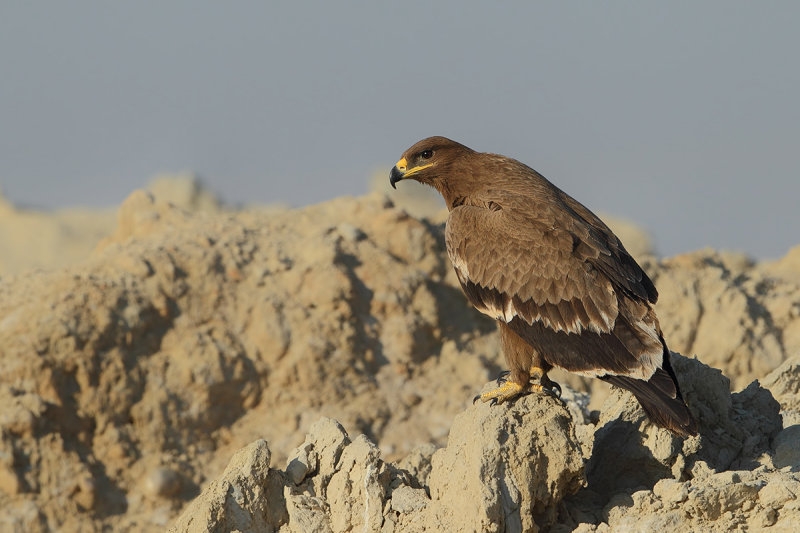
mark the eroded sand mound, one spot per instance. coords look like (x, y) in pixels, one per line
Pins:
(35, 239)
(131, 379)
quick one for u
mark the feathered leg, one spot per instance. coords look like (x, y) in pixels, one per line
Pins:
(524, 364)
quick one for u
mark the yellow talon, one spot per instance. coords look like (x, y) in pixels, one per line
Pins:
(543, 383)
(507, 391)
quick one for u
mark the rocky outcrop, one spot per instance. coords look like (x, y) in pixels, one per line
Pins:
(129, 380)
(520, 467)
(502, 470)
(736, 315)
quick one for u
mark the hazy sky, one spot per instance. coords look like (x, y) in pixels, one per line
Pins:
(682, 116)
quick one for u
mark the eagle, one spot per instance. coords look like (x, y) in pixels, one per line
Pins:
(564, 291)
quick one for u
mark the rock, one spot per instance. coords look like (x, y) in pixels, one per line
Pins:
(185, 331)
(303, 461)
(245, 498)
(784, 383)
(519, 467)
(357, 490)
(510, 467)
(722, 502)
(732, 313)
(406, 499)
(418, 463)
(503, 469)
(350, 475)
(37, 239)
(186, 335)
(734, 431)
(185, 190)
(787, 451)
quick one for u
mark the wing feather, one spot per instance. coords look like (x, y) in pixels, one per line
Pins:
(495, 254)
(598, 245)
(568, 278)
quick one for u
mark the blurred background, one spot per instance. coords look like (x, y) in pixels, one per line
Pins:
(681, 116)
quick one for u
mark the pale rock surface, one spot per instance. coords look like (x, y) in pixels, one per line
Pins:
(247, 497)
(509, 467)
(732, 313)
(758, 500)
(184, 190)
(129, 380)
(784, 382)
(502, 470)
(168, 349)
(520, 467)
(630, 453)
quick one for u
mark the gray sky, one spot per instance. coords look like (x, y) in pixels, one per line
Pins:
(682, 116)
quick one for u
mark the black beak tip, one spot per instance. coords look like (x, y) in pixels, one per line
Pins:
(394, 177)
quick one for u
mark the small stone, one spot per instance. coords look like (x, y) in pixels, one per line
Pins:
(328, 438)
(303, 462)
(406, 499)
(701, 470)
(671, 491)
(777, 492)
(768, 518)
(388, 524)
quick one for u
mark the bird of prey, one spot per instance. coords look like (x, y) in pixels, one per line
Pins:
(560, 284)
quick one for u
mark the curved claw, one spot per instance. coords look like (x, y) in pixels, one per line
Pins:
(492, 402)
(503, 377)
(555, 392)
(475, 399)
(550, 388)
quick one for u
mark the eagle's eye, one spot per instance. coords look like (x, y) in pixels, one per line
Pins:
(426, 154)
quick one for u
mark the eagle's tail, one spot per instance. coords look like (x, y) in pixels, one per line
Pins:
(660, 398)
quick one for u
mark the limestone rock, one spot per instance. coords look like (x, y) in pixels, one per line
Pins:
(130, 379)
(735, 430)
(730, 312)
(504, 469)
(784, 383)
(509, 466)
(246, 498)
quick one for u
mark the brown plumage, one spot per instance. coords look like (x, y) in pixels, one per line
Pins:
(561, 286)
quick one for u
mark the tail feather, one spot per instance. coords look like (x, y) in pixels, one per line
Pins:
(661, 399)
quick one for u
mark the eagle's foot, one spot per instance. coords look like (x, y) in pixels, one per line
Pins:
(541, 383)
(505, 392)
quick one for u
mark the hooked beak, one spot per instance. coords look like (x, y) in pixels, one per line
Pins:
(398, 173)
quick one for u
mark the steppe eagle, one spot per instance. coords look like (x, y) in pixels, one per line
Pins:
(560, 284)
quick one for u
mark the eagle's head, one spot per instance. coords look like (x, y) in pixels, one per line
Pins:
(431, 161)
